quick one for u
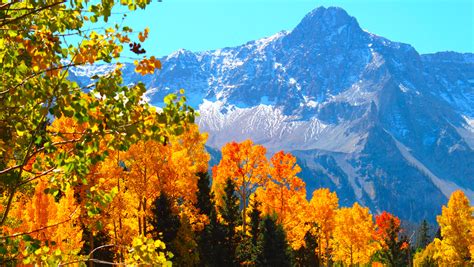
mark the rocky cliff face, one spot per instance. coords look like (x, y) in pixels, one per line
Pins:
(367, 117)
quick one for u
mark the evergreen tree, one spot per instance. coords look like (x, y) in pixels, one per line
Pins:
(212, 239)
(247, 252)
(164, 221)
(255, 220)
(185, 246)
(423, 235)
(231, 218)
(205, 198)
(394, 249)
(212, 250)
(247, 249)
(273, 247)
(306, 255)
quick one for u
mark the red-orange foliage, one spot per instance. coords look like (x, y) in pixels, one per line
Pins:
(385, 223)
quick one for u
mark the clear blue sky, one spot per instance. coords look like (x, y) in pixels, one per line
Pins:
(428, 25)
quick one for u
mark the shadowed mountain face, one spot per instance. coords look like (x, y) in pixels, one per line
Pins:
(367, 117)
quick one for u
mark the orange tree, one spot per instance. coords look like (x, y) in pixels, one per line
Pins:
(35, 59)
(245, 164)
(393, 249)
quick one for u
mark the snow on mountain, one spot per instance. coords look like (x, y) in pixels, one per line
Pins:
(367, 117)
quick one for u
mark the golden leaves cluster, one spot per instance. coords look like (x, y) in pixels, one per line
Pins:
(147, 66)
(456, 248)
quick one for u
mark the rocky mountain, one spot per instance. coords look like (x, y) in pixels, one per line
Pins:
(367, 117)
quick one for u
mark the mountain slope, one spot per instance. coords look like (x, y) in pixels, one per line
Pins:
(367, 117)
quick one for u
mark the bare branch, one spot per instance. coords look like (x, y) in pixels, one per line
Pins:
(37, 175)
(9, 169)
(96, 260)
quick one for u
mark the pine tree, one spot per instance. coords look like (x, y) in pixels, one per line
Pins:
(272, 243)
(246, 252)
(164, 221)
(185, 246)
(231, 218)
(306, 255)
(255, 220)
(423, 235)
(247, 249)
(212, 238)
(393, 249)
(212, 249)
(205, 198)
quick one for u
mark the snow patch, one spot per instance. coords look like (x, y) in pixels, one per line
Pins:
(403, 88)
(264, 42)
(312, 104)
(91, 70)
(469, 122)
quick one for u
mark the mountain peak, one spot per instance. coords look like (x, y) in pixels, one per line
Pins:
(323, 22)
(327, 13)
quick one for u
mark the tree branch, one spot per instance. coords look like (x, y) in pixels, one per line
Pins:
(32, 12)
(41, 228)
(38, 175)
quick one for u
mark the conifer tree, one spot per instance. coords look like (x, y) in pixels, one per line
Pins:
(185, 246)
(204, 196)
(423, 235)
(246, 252)
(255, 220)
(211, 239)
(212, 250)
(164, 221)
(273, 246)
(231, 218)
(247, 249)
(306, 254)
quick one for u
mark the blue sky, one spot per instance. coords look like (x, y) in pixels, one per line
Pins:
(430, 26)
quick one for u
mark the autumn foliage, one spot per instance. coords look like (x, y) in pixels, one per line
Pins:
(93, 174)
(455, 247)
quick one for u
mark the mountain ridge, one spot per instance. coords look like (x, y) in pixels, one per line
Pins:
(367, 117)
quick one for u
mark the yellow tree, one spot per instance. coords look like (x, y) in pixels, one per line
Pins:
(143, 172)
(147, 174)
(36, 55)
(322, 211)
(455, 221)
(285, 194)
(353, 235)
(188, 157)
(244, 163)
(426, 256)
(54, 223)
